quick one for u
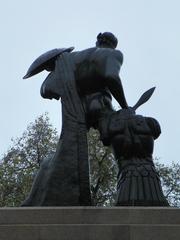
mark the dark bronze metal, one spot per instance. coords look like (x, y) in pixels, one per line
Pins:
(45, 61)
(132, 139)
(144, 98)
(86, 81)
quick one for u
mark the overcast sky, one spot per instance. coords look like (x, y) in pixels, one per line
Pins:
(149, 37)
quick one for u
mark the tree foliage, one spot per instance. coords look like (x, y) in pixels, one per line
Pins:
(19, 165)
(170, 180)
(103, 171)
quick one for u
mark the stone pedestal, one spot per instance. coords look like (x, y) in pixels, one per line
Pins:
(90, 223)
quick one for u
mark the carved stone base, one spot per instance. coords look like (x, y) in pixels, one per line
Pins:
(90, 223)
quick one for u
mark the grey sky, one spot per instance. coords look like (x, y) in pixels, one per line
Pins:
(149, 37)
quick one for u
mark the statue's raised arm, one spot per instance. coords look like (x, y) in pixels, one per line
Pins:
(108, 63)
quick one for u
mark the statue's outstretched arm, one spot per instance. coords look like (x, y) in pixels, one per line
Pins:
(111, 61)
(115, 86)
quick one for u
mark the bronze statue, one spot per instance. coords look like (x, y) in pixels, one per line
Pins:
(85, 81)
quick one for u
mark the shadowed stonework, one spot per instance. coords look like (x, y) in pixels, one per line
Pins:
(90, 223)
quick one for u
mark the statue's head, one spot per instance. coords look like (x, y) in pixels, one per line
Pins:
(106, 39)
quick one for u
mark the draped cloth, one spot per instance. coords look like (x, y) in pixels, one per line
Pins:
(139, 184)
(63, 180)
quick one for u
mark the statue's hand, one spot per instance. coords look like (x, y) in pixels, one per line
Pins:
(131, 109)
(127, 111)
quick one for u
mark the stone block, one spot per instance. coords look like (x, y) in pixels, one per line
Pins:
(90, 223)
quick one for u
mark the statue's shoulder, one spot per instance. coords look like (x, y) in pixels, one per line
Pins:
(105, 53)
(97, 55)
(83, 55)
(154, 126)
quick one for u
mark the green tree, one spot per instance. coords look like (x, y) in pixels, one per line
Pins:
(103, 171)
(170, 180)
(21, 162)
(19, 165)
